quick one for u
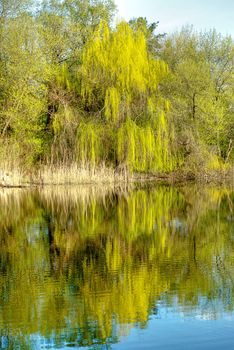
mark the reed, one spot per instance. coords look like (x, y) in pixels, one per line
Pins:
(13, 176)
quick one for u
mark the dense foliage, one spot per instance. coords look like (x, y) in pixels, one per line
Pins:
(75, 88)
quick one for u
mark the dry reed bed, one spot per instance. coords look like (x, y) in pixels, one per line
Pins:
(14, 176)
(11, 176)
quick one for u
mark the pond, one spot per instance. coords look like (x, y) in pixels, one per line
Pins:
(117, 268)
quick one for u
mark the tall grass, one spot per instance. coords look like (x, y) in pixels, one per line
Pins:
(13, 175)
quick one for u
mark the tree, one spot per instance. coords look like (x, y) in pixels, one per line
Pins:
(120, 88)
(23, 76)
(148, 29)
(200, 92)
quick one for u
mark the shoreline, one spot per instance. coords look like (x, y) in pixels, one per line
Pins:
(74, 175)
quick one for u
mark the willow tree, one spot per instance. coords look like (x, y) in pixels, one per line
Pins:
(120, 88)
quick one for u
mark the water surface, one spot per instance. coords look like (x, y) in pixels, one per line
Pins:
(95, 268)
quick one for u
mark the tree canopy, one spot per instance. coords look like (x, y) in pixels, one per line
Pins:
(74, 87)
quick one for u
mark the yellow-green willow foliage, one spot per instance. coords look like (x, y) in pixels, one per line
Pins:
(142, 148)
(112, 101)
(90, 143)
(119, 77)
(63, 77)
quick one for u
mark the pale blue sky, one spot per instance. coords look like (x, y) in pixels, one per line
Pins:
(173, 14)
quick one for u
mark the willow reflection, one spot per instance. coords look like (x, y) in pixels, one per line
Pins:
(92, 264)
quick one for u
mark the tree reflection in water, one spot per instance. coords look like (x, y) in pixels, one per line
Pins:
(82, 266)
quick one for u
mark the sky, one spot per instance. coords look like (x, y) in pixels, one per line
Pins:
(173, 14)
